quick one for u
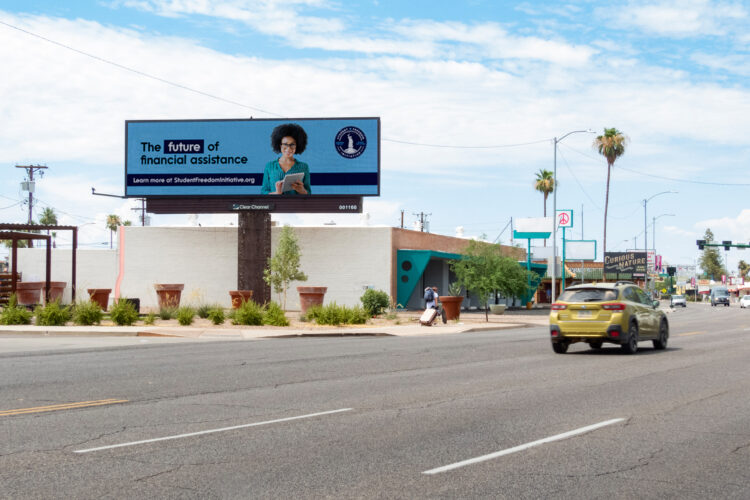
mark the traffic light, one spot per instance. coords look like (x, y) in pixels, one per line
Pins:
(701, 243)
(671, 270)
(727, 244)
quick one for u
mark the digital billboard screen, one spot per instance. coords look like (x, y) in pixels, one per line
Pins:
(306, 157)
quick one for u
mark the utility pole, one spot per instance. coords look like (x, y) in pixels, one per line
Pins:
(402, 219)
(141, 209)
(422, 221)
(29, 185)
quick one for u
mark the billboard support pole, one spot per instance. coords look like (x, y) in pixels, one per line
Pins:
(253, 252)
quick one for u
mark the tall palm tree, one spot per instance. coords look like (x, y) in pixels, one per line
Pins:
(112, 223)
(743, 267)
(611, 145)
(545, 184)
(49, 218)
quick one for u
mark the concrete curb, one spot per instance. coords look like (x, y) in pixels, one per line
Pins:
(250, 334)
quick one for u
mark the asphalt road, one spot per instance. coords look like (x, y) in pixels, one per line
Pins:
(381, 417)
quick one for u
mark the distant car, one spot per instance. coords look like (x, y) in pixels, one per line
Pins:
(617, 313)
(745, 301)
(719, 295)
(678, 300)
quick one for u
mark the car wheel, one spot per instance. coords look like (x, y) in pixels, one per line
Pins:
(560, 347)
(595, 344)
(631, 345)
(661, 342)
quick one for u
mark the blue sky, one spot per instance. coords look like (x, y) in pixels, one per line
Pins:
(470, 95)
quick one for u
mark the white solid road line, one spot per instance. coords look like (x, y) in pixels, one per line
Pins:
(210, 431)
(523, 447)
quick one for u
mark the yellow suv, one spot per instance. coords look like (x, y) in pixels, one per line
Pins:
(618, 313)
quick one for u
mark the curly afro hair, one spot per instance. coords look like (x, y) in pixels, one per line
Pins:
(289, 130)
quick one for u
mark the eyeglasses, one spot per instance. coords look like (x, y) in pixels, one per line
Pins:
(290, 145)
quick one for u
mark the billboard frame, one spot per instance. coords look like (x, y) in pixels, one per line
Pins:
(330, 200)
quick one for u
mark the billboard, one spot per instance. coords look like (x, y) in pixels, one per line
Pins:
(633, 263)
(308, 157)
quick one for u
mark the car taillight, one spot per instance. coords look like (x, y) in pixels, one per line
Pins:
(614, 307)
(558, 307)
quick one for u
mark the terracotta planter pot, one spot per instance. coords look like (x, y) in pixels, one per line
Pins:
(239, 297)
(56, 290)
(29, 293)
(100, 296)
(310, 296)
(169, 294)
(451, 306)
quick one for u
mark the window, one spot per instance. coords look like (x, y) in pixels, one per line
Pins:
(588, 295)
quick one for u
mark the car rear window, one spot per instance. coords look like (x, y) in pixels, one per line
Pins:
(678, 296)
(588, 295)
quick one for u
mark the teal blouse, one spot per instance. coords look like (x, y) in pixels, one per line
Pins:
(273, 173)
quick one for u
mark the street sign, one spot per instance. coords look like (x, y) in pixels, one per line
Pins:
(564, 218)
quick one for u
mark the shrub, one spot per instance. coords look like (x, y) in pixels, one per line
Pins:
(123, 313)
(249, 313)
(204, 309)
(273, 315)
(216, 315)
(166, 313)
(87, 313)
(52, 314)
(150, 319)
(375, 301)
(334, 314)
(13, 314)
(185, 315)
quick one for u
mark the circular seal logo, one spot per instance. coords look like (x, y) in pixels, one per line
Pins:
(350, 142)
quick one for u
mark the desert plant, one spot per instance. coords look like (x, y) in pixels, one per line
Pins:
(216, 315)
(87, 313)
(375, 301)
(185, 315)
(166, 313)
(203, 310)
(123, 313)
(249, 313)
(52, 314)
(454, 289)
(13, 314)
(334, 314)
(273, 315)
(150, 319)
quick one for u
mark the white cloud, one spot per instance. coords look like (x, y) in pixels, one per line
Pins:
(679, 18)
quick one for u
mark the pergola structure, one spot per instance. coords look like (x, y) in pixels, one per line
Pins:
(13, 232)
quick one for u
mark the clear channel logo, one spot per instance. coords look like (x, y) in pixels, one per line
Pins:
(350, 142)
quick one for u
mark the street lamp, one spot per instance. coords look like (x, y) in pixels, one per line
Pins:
(555, 140)
(653, 229)
(645, 228)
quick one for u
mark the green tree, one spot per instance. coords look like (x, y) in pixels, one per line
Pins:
(284, 264)
(743, 267)
(112, 223)
(611, 145)
(483, 270)
(545, 184)
(49, 218)
(710, 261)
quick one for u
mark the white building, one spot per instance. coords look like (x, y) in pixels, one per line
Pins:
(347, 260)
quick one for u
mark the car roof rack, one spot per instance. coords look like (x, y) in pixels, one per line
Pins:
(624, 282)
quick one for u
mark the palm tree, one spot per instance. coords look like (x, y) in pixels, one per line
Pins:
(49, 218)
(112, 223)
(743, 267)
(545, 184)
(611, 145)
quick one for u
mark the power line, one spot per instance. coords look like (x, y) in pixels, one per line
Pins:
(465, 147)
(687, 181)
(138, 72)
(236, 103)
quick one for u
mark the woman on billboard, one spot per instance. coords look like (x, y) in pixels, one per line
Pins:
(288, 139)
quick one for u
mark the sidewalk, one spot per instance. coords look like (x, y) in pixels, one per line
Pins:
(406, 324)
